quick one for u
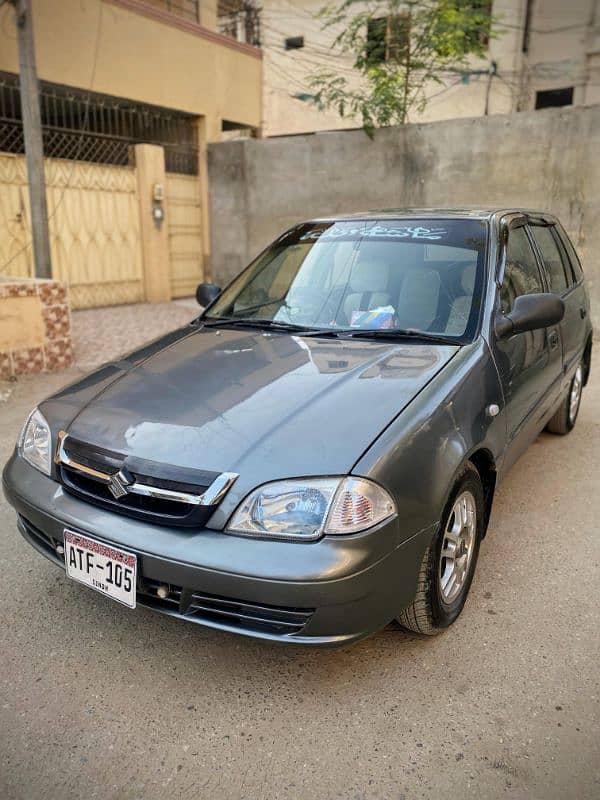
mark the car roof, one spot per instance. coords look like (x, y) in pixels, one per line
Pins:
(436, 213)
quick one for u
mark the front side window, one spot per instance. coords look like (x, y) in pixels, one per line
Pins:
(555, 269)
(418, 274)
(521, 273)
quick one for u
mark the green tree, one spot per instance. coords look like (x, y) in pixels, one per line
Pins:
(399, 48)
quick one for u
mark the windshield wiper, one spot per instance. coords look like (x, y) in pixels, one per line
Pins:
(261, 324)
(334, 333)
(384, 333)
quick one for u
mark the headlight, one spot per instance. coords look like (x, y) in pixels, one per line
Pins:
(307, 509)
(35, 442)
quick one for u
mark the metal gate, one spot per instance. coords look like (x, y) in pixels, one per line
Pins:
(94, 228)
(15, 254)
(184, 220)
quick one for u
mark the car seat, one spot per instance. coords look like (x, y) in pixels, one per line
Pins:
(368, 288)
(419, 298)
(460, 309)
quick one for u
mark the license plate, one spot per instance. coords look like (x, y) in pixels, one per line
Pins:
(106, 569)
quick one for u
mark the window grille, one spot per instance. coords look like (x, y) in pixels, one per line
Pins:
(387, 38)
(87, 126)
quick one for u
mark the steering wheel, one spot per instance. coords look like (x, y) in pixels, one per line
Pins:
(310, 307)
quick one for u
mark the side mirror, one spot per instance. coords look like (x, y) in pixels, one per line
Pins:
(529, 313)
(206, 293)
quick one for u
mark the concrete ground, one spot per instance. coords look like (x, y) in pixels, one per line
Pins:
(97, 701)
(100, 334)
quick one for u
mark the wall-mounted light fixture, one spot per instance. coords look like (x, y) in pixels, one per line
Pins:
(158, 212)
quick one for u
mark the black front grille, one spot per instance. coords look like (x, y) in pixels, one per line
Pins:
(252, 616)
(165, 511)
(47, 544)
(151, 509)
(93, 456)
(241, 614)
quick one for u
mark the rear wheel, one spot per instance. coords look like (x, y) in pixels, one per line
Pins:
(448, 566)
(565, 417)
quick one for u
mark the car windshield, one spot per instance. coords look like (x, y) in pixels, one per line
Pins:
(377, 274)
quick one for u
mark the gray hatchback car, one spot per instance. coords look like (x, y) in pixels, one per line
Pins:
(317, 453)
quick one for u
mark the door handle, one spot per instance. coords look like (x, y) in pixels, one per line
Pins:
(553, 340)
(583, 312)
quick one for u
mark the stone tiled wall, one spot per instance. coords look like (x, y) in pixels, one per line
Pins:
(35, 327)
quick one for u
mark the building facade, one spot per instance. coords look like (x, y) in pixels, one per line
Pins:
(542, 53)
(131, 93)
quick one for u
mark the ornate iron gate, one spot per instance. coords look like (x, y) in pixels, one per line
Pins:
(94, 228)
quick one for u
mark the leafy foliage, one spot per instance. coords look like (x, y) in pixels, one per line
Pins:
(398, 48)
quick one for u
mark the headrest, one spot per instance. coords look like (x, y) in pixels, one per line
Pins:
(419, 279)
(370, 276)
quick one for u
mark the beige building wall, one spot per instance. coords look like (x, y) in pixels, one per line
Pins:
(564, 50)
(286, 72)
(138, 51)
(130, 49)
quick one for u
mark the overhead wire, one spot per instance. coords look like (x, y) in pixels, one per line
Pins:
(498, 21)
(310, 54)
(300, 58)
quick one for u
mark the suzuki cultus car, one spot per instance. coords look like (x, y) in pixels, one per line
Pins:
(317, 453)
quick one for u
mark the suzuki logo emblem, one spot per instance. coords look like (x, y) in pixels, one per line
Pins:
(118, 484)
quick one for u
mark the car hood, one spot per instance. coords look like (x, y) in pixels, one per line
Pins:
(263, 405)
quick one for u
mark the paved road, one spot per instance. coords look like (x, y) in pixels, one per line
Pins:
(100, 702)
(124, 328)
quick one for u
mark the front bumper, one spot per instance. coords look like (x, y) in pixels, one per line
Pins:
(333, 591)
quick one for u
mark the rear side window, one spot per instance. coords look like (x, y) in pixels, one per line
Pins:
(570, 252)
(555, 269)
(521, 274)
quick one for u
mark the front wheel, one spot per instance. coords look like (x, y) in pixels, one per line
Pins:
(448, 565)
(565, 417)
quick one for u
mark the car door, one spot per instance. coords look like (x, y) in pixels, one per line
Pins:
(530, 363)
(576, 326)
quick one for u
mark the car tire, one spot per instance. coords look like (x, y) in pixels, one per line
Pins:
(566, 414)
(436, 604)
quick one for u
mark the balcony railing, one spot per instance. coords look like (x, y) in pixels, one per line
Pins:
(185, 9)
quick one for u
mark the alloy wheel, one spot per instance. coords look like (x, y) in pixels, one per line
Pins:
(575, 395)
(457, 547)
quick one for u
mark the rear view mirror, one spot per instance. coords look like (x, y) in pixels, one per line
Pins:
(206, 293)
(529, 313)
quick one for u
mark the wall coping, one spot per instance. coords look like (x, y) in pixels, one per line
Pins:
(26, 279)
(48, 345)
